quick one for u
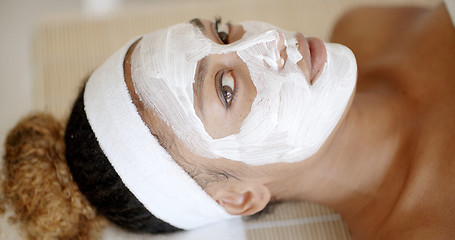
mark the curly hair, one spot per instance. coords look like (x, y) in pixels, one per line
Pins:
(99, 181)
(38, 184)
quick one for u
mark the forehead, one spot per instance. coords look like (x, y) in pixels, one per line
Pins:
(183, 38)
(197, 37)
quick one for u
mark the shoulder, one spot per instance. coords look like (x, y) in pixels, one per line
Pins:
(369, 30)
(375, 22)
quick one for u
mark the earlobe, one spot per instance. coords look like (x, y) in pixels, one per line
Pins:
(251, 200)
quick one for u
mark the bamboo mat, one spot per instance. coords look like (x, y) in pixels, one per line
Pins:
(286, 221)
(68, 47)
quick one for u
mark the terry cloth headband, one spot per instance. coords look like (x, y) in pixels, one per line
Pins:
(144, 166)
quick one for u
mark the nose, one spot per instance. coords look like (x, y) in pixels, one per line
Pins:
(280, 54)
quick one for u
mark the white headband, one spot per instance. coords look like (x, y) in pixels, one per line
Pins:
(144, 166)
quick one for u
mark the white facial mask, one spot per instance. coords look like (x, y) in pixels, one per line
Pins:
(289, 119)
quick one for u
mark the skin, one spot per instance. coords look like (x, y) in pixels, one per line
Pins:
(388, 166)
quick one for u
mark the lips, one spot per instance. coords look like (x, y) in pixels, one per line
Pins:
(318, 57)
(314, 56)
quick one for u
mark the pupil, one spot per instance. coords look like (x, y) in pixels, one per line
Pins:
(223, 37)
(227, 91)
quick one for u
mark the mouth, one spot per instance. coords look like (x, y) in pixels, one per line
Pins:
(314, 56)
(318, 57)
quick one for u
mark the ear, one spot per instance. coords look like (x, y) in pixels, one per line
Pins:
(242, 198)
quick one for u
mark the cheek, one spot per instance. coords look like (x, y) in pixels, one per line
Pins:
(216, 120)
(243, 101)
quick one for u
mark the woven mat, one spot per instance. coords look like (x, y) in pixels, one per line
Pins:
(68, 47)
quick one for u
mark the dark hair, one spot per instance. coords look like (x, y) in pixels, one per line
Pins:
(99, 181)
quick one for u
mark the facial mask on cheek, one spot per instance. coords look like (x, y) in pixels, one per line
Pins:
(289, 119)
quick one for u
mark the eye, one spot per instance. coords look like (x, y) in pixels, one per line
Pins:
(225, 87)
(222, 30)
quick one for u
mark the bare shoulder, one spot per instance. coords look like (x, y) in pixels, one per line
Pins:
(368, 30)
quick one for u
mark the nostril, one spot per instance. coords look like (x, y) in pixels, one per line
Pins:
(283, 57)
(281, 42)
(276, 55)
(282, 51)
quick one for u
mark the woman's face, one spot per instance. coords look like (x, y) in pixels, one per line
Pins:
(252, 92)
(223, 104)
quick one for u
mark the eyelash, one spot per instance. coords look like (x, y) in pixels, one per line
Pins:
(223, 36)
(221, 91)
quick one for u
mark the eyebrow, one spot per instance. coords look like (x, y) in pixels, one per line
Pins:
(198, 23)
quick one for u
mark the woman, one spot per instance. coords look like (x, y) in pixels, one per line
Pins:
(251, 95)
(383, 161)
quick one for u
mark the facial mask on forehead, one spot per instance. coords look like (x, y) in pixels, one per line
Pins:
(289, 119)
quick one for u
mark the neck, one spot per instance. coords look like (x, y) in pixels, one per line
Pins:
(356, 163)
(362, 169)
